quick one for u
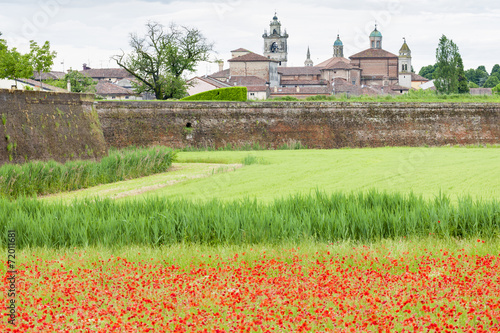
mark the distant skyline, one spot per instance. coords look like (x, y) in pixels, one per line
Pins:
(93, 31)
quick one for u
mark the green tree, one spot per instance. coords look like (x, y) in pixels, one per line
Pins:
(80, 83)
(492, 81)
(3, 44)
(478, 76)
(428, 71)
(41, 58)
(14, 65)
(473, 85)
(496, 89)
(463, 87)
(446, 74)
(496, 71)
(161, 58)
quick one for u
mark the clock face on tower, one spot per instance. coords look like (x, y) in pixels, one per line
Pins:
(274, 47)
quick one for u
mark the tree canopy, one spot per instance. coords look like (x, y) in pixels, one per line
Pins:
(161, 58)
(41, 58)
(428, 71)
(14, 65)
(492, 82)
(449, 76)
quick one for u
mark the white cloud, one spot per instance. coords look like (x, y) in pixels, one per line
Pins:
(95, 30)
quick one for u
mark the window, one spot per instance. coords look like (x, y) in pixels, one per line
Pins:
(354, 82)
(378, 45)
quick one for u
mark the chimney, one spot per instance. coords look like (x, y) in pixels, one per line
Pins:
(85, 67)
(221, 65)
(298, 89)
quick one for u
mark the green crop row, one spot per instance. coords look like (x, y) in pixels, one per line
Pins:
(41, 178)
(368, 216)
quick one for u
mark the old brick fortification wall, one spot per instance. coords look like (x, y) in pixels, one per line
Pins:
(315, 124)
(40, 126)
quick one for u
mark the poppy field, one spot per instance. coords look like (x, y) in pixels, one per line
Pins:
(403, 286)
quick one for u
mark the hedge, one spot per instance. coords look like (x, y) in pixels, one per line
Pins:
(238, 94)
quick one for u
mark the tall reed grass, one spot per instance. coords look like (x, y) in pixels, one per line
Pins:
(40, 178)
(321, 217)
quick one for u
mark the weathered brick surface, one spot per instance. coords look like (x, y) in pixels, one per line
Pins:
(40, 126)
(315, 124)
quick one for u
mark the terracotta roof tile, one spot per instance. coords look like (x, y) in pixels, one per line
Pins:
(212, 81)
(341, 86)
(240, 50)
(222, 74)
(104, 88)
(257, 88)
(416, 77)
(336, 63)
(251, 57)
(246, 81)
(305, 70)
(373, 53)
(304, 82)
(101, 73)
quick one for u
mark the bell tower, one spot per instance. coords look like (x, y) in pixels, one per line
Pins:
(405, 65)
(275, 43)
(338, 48)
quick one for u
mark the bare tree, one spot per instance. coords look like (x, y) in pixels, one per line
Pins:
(161, 58)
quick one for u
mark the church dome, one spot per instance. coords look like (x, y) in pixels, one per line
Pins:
(375, 33)
(338, 42)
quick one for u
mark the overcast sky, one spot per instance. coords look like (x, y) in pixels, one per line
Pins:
(92, 31)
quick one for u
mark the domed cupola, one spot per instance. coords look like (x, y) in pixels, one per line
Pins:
(338, 48)
(376, 39)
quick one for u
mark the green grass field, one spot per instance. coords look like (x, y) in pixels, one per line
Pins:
(274, 174)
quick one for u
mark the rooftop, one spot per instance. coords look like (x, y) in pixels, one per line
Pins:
(101, 73)
(305, 70)
(336, 63)
(104, 88)
(251, 57)
(373, 53)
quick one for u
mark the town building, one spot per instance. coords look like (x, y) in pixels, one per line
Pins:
(372, 71)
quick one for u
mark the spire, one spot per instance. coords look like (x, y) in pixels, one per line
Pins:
(405, 50)
(308, 62)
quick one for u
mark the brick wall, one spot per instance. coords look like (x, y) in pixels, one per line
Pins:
(315, 124)
(41, 125)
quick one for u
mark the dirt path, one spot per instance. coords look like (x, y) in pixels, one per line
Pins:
(144, 189)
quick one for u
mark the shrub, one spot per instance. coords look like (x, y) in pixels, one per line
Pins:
(236, 94)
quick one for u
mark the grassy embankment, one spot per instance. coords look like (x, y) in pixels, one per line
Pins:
(40, 178)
